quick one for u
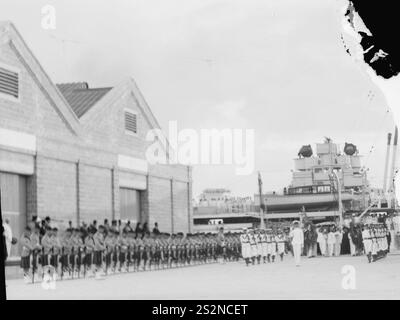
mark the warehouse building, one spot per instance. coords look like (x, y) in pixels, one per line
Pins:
(77, 153)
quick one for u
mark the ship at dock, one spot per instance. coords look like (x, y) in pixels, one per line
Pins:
(329, 183)
(332, 184)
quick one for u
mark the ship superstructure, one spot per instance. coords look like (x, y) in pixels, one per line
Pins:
(326, 183)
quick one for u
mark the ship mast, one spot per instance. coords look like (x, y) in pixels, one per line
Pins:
(339, 191)
(392, 174)
(385, 174)
(262, 225)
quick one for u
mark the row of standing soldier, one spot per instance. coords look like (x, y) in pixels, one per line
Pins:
(262, 244)
(375, 240)
(101, 253)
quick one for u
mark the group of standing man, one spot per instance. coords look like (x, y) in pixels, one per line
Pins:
(330, 241)
(262, 245)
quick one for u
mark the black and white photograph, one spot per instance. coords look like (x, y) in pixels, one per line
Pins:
(199, 150)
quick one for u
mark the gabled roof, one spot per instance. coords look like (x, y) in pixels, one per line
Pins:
(127, 86)
(80, 97)
(75, 103)
(10, 35)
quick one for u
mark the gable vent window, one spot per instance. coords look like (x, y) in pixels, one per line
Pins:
(9, 82)
(130, 122)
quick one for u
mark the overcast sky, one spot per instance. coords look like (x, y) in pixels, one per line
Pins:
(273, 66)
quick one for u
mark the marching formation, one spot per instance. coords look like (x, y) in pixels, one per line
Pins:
(260, 243)
(102, 252)
(375, 241)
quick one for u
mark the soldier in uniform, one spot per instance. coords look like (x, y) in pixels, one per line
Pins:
(147, 253)
(179, 251)
(78, 248)
(187, 248)
(131, 256)
(246, 249)
(99, 247)
(166, 250)
(375, 244)
(386, 235)
(123, 250)
(89, 249)
(27, 249)
(134, 250)
(237, 246)
(139, 251)
(221, 245)
(35, 242)
(67, 246)
(157, 245)
(192, 248)
(56, 248)
(273, 245)
(204, 242)
(200, 249)
(280, 243)
(109, 242)
(152, 250)
(173, 250)
(73, 255)
(46, 249)
(178, 238)
(269, 245)
(258, 240)
(263, 245)
(367, 241)
(253, 246)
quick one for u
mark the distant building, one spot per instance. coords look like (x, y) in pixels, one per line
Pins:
(218, 208)
(214, 197)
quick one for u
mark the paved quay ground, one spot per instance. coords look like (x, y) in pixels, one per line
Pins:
(316, 278)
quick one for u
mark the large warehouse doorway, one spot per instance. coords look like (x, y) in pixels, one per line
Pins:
(130, 205)
(13, 204)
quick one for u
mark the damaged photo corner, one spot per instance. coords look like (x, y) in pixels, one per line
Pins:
(199, 155)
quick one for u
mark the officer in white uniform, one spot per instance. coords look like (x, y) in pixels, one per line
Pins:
(264, 245)
(253, 246)
(297, 237)
(331, 242)
(245, 242)
(322, 241)
(272, 245)
(257, 237)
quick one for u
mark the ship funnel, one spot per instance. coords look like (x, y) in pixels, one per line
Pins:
(385, 174)
(392, 173)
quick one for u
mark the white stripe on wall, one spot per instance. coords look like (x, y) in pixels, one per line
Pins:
(131, 163)
(18, 140)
